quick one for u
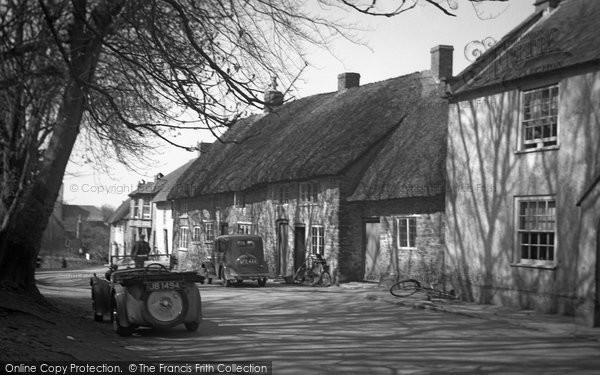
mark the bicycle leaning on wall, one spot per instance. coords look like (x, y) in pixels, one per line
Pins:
(314, 271)
(408, 287)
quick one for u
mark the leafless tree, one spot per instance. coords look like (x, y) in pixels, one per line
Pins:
(121, 72)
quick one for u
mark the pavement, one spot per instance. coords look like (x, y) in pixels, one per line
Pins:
(559, 325)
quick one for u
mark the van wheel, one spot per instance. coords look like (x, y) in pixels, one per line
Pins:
(262, 282)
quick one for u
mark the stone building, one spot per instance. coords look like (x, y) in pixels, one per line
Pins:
(523, 164)
(356, 175)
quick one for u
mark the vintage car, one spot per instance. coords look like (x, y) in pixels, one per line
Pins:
(151, 296)
(236, 258)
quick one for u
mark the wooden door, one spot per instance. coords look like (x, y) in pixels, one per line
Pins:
(299, 246)
(282, 247)
(372, 251)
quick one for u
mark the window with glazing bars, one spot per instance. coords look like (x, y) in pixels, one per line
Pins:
(537, 229)
(407, 232)
(318, 240)
(540, 117)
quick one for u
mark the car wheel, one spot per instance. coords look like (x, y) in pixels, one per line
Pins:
(98, 317)
(227, 283)
(239, 281)
(118, 328)
(262, 282)
(210, 280)
(191, 326)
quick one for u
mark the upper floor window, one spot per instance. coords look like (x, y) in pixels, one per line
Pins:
(136, 208)
(318, 239)
(407, 232)
(309, 192)
(539, 124)
(283, 194)
(536, 233)
(146, 209)
(239, 199)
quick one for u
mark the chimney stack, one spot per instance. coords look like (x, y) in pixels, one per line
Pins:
(441, 62)
(273, 97)
(541, 5)
(348, 80)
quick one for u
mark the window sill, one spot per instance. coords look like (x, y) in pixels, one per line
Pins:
(544, 266)
(538, 149)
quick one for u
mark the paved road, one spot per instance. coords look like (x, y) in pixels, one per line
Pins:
(339, 330)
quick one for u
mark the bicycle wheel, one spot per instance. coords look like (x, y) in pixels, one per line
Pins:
(405, 288)
(323, 280)
(300, 274)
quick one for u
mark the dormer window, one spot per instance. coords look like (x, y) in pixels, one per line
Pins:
(539, 124)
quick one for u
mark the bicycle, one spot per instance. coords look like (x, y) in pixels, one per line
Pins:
(408, 287)
(314, 271)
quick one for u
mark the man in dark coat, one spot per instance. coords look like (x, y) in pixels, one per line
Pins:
(140, 251)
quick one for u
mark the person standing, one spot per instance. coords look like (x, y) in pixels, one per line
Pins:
(140, 251)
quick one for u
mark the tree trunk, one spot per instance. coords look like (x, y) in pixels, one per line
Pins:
(20, 241)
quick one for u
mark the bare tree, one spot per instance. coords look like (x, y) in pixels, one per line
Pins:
(120, 71)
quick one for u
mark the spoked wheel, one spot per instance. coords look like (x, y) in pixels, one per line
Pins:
(405, 288)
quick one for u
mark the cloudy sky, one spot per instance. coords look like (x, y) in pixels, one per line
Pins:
(395, 46)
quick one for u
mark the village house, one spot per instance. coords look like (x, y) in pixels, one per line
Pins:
(120, 243)
(356, 175)
(523, 193)
(162, 223)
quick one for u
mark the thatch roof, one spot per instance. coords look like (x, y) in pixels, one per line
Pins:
(122, 212)
(170, 181)
(317, 136)
(566, 37)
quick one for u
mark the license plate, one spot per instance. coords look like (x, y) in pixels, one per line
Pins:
(162, 285)
(247, 261)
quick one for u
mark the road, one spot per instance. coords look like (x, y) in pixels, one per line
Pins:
(343, 330)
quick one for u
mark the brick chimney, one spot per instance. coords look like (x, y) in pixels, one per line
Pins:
(545, 4)
(441, 62)
(348, 80)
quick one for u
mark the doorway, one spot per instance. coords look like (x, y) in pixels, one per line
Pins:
(597, 295)
(372, 249)
(282, 247)
(299, 246)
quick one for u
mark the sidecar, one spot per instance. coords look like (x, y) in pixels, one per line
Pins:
(151, 296)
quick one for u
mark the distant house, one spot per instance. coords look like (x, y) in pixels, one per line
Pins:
(355, 175)
(162, 225)
(120, 241)
(523, 198)
(140, 209)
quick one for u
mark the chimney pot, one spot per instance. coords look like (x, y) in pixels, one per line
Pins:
(441, 62)
(541, 5)
(348, 80)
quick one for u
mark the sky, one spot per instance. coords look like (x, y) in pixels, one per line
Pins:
(395, 46)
